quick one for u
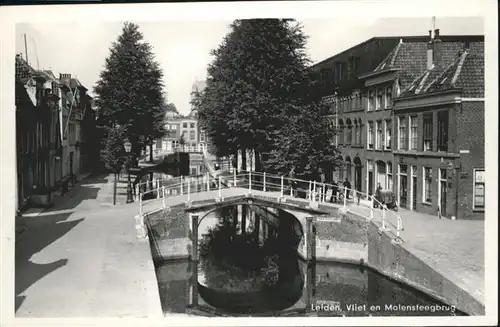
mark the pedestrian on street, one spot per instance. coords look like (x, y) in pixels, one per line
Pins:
(347, 184)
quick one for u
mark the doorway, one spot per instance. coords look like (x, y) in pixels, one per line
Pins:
(370, 182)
(357, 177)
(71, 163)
(442, 191)
(403, 186)
(414, 188)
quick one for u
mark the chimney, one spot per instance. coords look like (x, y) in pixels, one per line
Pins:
(429, 52)
(65, 76)
(437, 48)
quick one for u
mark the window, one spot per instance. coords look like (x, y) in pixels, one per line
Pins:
(403, 140)
(427, 196)
(341, 132)
(370, 100)
(370, 135)
(380, 136)
(349, 134)
(388, 134)
(192, 125)
(72, 133)
(174, 127)
(388, 97)
(389, 176)
(185, 125)
(380, 99)
(413, 132)
(158, 144)
(479, 179)
(358, 134)
(442, 131)
(202, 137)
(427, 138)
(192, 135)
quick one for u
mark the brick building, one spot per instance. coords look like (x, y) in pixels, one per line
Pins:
(439, 122)
(38, 140)
(343, 90)
(362, 101)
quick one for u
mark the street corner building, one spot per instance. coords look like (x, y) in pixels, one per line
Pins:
(54, 121)
(409, 111)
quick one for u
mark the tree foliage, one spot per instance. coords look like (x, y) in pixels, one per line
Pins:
(306, 144)
(130, 90)
(262, 95)
(114, 152)
(256, 79)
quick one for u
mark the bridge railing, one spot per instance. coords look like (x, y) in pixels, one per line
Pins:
(281, 186)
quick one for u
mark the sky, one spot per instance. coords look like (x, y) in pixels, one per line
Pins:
(183, 47)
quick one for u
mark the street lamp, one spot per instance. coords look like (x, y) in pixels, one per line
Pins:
(128, 148)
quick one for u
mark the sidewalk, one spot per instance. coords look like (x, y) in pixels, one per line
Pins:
(81, 258)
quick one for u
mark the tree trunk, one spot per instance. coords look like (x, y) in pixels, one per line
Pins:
(114, 188)
(258, 163)
(243, 159)
(151, 152)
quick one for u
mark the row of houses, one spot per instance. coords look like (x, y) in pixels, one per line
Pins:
(410, 116)
(55, 129)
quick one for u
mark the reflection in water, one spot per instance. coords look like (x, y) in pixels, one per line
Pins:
(254, 269)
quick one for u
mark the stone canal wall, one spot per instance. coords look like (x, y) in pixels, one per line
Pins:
(341, 237)
(354, 239)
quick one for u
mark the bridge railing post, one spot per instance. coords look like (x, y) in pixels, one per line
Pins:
(399, 228)
(314, 191)
(250, 182)
(370, 197)
(384, 226)
(157, 189)
(220, 188)
(136, 193)
(310, 191)
(163, 197)
(282, 186)
(140, 205)
(182, 181)
(264, 182)
(234, 177)
(208, 181)
(323, 194)
(189, 188)
(345, 197)
(291, 188)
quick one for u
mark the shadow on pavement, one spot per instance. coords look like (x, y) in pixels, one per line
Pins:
(41, 231)
(87, 189)
(19, 300)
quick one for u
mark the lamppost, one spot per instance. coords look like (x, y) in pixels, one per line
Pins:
(128, 147)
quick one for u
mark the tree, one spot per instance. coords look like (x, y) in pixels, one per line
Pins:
(306, 144)
(130, 90)
(259, 76)
(114, 153)
(170, 107)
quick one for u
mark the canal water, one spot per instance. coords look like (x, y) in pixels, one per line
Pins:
(258, 276)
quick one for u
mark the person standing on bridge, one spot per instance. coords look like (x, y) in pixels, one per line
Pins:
(293, 181)
(347, 184)
(322, 179)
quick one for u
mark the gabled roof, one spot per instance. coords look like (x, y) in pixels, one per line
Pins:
(466, 73)
(410, 59)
